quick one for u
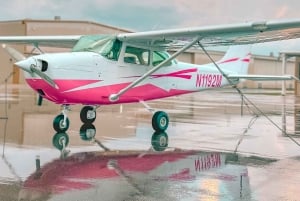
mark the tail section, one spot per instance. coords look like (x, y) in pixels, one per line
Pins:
(236, 60)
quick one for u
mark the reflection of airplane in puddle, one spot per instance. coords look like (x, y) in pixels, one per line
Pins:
(135, 67)
(133, 175)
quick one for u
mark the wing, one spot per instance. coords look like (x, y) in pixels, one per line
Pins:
(233, 34)
(48, 41)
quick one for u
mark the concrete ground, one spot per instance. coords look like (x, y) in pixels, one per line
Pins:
(258, 154)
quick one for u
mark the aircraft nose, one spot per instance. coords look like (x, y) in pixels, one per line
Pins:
(26, 63)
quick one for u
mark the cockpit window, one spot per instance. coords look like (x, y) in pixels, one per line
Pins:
(136, 55)
(160, 56)
(106, 45)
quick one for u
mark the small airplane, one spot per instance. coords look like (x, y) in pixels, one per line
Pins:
(136, 67)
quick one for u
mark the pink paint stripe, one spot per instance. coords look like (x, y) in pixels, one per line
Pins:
(229, 60)
(178, 74)
(246, 60)
(65, 85)
(99, 95)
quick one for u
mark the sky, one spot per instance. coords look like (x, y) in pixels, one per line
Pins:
(142, 15)
(139, 15)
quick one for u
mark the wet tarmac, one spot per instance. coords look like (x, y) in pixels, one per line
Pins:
(212, 150)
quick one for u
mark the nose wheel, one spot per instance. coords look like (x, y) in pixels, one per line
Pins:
(61, 123)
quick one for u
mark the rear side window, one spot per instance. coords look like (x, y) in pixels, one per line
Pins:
(134, 55)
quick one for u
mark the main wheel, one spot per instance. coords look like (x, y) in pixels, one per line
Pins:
(87, 132)
(159, 141)
(60, 141)
(58, 124)
(160, 121)
(88, 114)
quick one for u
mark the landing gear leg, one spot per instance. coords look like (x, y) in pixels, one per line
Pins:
(61, 122)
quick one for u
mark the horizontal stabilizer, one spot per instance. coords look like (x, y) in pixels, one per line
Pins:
(263, 77)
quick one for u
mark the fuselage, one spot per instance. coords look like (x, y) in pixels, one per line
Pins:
(96, 70)
(89, 78)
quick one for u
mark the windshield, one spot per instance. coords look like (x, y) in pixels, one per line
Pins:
(102, 44)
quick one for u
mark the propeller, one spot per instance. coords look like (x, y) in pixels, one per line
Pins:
(31, 65)
(18, 56)
(40, 73)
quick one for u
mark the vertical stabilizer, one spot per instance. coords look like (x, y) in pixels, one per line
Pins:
(236, 59)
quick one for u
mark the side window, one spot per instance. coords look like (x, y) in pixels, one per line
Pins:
(134, 55)
(159, 57)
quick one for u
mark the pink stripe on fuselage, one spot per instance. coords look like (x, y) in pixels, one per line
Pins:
(177, 74)
(65, 85)
(53, 94)
(98, 95)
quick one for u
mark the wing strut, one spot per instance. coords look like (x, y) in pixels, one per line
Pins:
(115, 97)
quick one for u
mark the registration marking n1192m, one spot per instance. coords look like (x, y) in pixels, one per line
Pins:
(209, 80)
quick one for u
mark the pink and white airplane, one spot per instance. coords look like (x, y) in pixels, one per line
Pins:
(135, 67)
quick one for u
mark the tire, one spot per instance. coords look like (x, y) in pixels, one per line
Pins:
(160, 121)
(58, 124)
(87, 114)
(60, 141)
(87, 132)
(159, 141)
